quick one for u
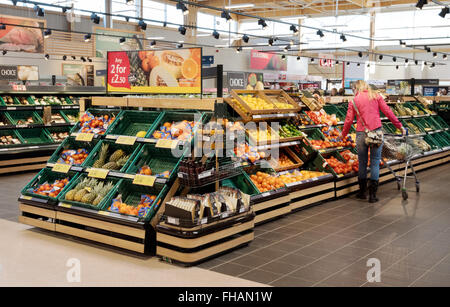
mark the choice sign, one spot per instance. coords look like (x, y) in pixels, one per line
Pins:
(8, 72)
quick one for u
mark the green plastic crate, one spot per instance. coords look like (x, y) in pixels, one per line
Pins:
(327, 156)
(72, 185)
(318, 164)
(171, 116)
(440, 121)
(15, 116)
(158, 159)
(442, 139)
(263, 170)
(406, 123)
(58, 129)
(431, 141)
(131, 195)
(71, 143)
(129, 150)
(3, 102)
(332, 109)
(241, 182)
(18, 98)
(5, 119)
(74, 113)
(98, 112)
(13, 133)
(47, 175)
(35, 136)
(131, 122)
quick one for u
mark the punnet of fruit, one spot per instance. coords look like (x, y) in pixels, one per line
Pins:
(73, 156)
(296, 175)
(146, 170)
(51, 189)
(248, 152)
(266, 182)
(141, 210)
(95, 124)
(175, 131)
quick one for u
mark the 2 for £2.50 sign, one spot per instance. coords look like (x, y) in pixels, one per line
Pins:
(118, 69)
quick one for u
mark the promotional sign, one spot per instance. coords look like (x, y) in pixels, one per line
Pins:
(109, 40)
(17, 37)
(78, 74)
(242, 80)
(8, 72)
(207, 60)
(176, 71)
(28, 72)
(325, 60)
(267, 61)
(430, 90)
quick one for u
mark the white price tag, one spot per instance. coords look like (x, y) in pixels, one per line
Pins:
(205, 174)
(242, 209)
(172, 220)
(203, 221)
(224, 215)
(11, 108)
(265, 194)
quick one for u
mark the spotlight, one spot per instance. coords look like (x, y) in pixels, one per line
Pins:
(434, 54)
(359, 64)
(182, 30)
(39, 11)
(283, 57)
(47, 33)
(380, 57)
(87, 37)
(64, 57)
(270, 41)
(83, 59)
(127, 19)
(402, 43)
(368, 65)
(47, 57)
(337, 63)
(216, 34)
(14, 2)
(262, 23)
(180, 45)
(425, 63)
(4, 52)
(416, 62)
(320, 33)
(245, 38)
(396, 67)
(293, 28)
(142, 25)
(312, 60)
(343, 38)
(406, 62)
(95, 18)
(122, 40)
(130, 2)
(226, 16)
(183, 8)
(444, 57)
(74, 57)
(238, 49)
(286, 48)
(152, 44)
(90, 60)
(348, 63)
(64, 9)
(394, 59)
(428, 49)
(444, 12)
(2, 27)
(298, 58)
(421, 3)
(360, 54)
(433, 65)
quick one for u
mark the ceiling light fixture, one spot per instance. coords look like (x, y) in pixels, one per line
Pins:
(152, 44)
(245, 38)
(2, 27)
(380, 57)
(122, 40)
(416, 62)
(299, 58)
(74, 57)
(312, 60)
(130, 2)
(421, 3)
(262, 23)
(47, 57)
(216, 34)
(360, 54)
(286, 48)
(142, 25)
(434, 54)
(47, 33)
(444, 57)
(394, 59)
(226, 16)
(320, 33)
(270, 41)
(238, 49)
(95, 18)
(87, 37)
(348, 63)
(39, 11)
(4, 52)
(183, 8)
(182, 30)
(64, 57)
(239, 6)
(343, 38)
(180, 45)
(444, 12)
(293, 29)
(396, 67)
(283, 57)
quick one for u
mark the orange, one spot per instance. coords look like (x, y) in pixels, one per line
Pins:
(146, 64)
(154, 61)
(190, 69)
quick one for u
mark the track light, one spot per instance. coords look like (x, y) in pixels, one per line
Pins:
(64, 9)
(2, 27)
(368, 65)
(283, 57)
(360, 54)
(226, 16)
(142, 25)
(394, 59)
(90, 60)
(416, 62)
(293, 28)
(343, 38)
(444, 12)
(348, 63)
(270, 41)
(64, 57)
(428, 49)
(298, 58)
(359, 64)
(130, 2)
(127, 19)
(152, 44)
(312, 60)
(380, 57)
(320, 33)
(39, 11)
(238, 49)
(421, 3)
(396, 67)
(95, 18)
(216, 34)
(286, 48)
(83, 59)
(245, 38)
(74, 57)
(183, 8)
(444, 57)
(434, 54)
(337, 63)
(14, 2)
(122, 40)
(4, 52)
(262, 23)
(182, 30)
(87, 37)
(47, 57)
(433, 65)
(425, 63)
(47, 33)
(180, 45)
(403, 44)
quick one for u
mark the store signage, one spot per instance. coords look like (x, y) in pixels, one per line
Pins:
(100, 72)
(162, 71)
(240, 80)
(17, 37)
(267, 61)
(207, 60)
(326, 60)
(426, 81)
(8, 72)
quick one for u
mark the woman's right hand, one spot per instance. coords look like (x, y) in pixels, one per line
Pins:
(404, 131)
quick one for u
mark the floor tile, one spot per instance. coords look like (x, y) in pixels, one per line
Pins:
(268, 253)
(279, 267)
(231, 269)
(260, 276)
(251, 261)
(296, 259)
(288, 281)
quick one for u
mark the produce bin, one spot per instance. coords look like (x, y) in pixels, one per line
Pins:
(47, 175)
(332, 109)
(131, 195)
(158, 159)
(131, 122)
(317, 163)
(73, 184)
(440, 122)
(132, 151)
(265, 170)
(174, 117)
(74, 113)
(338, 157)
(15, 116)
(58, 129)
(98, 112)
(441, 138)
(14, 134)
(5, 119)
(410, 124)
(71, 143)
(434, 144)
(241, 182)
(35, 136)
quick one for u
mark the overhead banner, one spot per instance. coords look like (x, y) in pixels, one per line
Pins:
(176, 71)
(109, 40)
(18, 38)
(267, 61)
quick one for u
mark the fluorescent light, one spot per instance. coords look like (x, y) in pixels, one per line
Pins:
(239, 6)
(156, 37)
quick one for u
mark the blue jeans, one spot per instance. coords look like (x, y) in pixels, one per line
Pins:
(363, 157)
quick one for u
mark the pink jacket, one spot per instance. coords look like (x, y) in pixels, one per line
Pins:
(370, 111)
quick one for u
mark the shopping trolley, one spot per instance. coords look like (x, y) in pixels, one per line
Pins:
(404, 149)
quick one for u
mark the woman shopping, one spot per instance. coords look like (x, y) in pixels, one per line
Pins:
(366, 106)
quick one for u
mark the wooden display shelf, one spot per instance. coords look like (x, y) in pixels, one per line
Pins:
(110, 101)
(174, 103)
(297, 162)
(271, 207)
(189, 246)
(311, 193)
(37, 216)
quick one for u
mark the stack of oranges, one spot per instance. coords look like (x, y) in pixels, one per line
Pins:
(266, 182)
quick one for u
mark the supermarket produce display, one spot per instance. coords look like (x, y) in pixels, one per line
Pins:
(116, 171)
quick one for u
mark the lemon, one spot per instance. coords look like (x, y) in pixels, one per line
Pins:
(141, 134)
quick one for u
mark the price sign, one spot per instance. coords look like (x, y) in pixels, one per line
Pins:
(118, 70)
(61, 168)
(26, 197)
(84, 137)
(126, 140)
(103, 213)
(98, 173)
(144, 180)
(65, 205)
(166, 144)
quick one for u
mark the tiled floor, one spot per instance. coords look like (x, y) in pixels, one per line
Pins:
(329, 244)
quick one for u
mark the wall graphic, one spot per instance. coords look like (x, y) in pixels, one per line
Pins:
(18, 38)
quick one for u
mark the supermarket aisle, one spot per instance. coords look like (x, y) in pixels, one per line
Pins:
(329, 245)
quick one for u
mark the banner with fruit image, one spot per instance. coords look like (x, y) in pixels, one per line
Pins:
(267, 61)
(175, 71)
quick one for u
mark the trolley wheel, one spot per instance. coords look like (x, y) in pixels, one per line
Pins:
(417, 187)
(405, 195)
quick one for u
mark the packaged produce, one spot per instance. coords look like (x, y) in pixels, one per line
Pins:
(141, 209)
(8, 140)
(299, 175)
(51, 189)
(248, 153)
(175, 131)
(321, 117)
(89, 191)
(59, 136)
(95, 124)
(146, 170)
(266, 182)
(73, 156)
